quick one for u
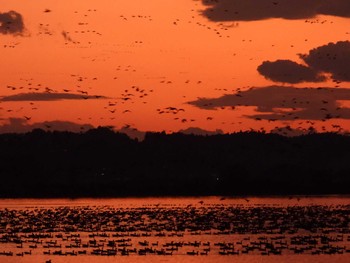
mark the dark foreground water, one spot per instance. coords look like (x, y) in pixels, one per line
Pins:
(215, 229)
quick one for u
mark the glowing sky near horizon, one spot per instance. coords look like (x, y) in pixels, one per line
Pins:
(153, 64)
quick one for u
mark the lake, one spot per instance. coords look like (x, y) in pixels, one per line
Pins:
(200, 229)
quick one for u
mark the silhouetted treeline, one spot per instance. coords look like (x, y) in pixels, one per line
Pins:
(102, 163)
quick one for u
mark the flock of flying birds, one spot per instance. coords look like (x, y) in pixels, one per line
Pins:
(136, 94)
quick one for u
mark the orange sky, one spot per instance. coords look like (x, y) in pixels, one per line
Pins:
(166, 49)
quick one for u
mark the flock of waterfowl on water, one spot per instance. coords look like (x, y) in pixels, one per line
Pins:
(164, 230)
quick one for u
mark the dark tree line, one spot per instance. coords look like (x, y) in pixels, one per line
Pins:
(102, 163)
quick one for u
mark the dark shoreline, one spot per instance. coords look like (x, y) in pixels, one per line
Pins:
(101, 163)
(345, 196)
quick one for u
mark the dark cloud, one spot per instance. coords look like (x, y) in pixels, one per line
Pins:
(289, 72)
(285, 103)
(11, 23)
(133, 133)
(250, 10)
(332, 58)
(335, 8)
(48, 96)
(19, 125)
(290, 131)
(199, 131)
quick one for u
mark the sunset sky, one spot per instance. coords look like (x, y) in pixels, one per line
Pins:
(173, 64)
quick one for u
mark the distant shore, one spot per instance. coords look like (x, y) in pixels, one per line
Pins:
(104, 164)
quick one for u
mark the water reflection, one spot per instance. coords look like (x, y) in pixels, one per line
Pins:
(176, 229)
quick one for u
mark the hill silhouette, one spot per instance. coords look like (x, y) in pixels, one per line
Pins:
(103, 163)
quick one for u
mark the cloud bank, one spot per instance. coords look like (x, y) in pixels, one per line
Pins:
(289, 71)
(19, 125)
(285, 103)
(333, 59)
(199, 131)
(252, 10)
(48, 96)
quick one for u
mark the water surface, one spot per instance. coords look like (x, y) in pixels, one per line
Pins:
(210, 229)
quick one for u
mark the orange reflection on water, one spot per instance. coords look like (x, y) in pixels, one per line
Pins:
(210, 229)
